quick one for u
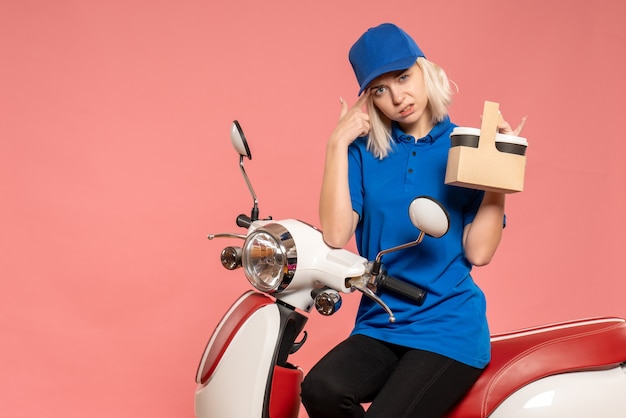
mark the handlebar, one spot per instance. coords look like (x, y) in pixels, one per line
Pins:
(401, 287)
(245, 221)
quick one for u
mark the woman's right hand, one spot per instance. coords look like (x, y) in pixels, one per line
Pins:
(353, 121)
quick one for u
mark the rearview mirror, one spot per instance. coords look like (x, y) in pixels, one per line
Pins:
(429, 216)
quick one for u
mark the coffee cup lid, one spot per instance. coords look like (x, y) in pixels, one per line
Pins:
(512, 139)
(462, 130)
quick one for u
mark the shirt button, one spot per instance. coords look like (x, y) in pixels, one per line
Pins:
(410, 170)
(414, 153)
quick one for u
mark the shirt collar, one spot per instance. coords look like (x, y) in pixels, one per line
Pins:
(435, 133)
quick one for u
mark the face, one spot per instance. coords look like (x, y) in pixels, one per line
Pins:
(401, 97)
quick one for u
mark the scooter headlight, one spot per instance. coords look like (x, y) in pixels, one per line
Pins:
(269, 258)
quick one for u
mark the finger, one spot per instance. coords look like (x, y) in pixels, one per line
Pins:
(362, 100)
(505, 128)
(519, 128)
(344, 108)
(366, 128)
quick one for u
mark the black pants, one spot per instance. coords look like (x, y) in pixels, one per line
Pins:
(399, 382)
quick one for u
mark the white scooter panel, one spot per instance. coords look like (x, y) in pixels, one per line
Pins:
(244, 346)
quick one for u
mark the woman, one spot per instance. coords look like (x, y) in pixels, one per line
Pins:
(387, 149)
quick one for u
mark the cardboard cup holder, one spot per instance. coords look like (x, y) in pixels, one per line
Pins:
(484, 159)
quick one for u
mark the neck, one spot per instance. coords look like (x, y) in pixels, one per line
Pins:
(421, 127)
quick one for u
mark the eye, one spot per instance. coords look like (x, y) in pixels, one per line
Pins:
(379, 91)
(403, 77)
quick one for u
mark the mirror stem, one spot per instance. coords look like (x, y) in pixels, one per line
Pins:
(255, 209)
(376, 265)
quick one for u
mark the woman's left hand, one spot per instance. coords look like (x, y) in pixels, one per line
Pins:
(505, 128)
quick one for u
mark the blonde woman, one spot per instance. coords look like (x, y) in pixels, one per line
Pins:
(388, 148)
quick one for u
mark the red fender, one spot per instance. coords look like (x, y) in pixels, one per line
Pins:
(285, 396)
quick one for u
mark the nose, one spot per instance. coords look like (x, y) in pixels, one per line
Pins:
(397, 95)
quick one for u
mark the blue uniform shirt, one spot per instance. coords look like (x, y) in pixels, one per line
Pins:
(452, 321)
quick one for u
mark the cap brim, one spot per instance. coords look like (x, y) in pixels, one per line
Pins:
(402, 64)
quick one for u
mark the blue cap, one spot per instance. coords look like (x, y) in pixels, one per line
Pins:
(380, 50)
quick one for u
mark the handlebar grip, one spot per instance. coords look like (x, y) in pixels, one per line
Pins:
(244, 221)
(403, 288)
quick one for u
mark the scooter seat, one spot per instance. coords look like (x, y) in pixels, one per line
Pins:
(521, 357)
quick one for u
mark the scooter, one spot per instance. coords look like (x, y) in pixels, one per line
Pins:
(571, 369)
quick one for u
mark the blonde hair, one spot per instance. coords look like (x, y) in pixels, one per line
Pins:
(439, 94)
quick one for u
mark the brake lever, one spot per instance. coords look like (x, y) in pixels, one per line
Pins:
(360, 285)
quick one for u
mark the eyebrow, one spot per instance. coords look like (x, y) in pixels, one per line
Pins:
(392, 74)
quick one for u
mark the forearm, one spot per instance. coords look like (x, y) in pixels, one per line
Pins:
(337, 218)
(482, 237)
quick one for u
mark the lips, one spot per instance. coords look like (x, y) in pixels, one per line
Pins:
(407, 110)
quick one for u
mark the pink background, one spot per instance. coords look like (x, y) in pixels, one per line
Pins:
(115, 164)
